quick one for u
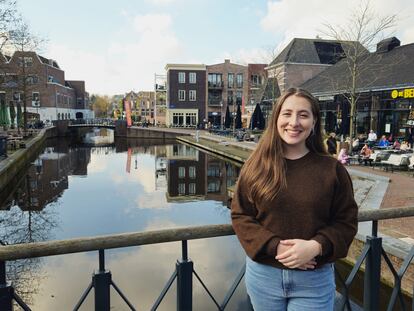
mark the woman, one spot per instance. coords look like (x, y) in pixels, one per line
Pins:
(331, 143)
(293, 211)
(343, 156)
(366, 155)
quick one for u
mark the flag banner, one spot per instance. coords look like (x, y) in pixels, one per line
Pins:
(128, 113)
(128, 164)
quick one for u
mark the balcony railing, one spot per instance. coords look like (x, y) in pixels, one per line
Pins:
(215, 85)
(184, 269)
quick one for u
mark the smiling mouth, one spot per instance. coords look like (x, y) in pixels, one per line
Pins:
(293, 132)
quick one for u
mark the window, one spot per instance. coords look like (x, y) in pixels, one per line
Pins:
(181, 95)
(239, 95)
(230, 78)
(230, 97)
(35, 99)
(32, 79)
(17, 96)
(181, 77)
(191, 119)
(256, 80)
(215, 80)
(239, 80)
(192, 95)
(181, 172)
(192, 77)
(213, 186)
(178, 119)
(192, 172)
(192, 188)
(25, 61)
(181, 189)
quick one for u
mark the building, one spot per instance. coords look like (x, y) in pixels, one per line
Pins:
(145, 105)
(300, 61)
(48, 95)
(227, 87)
(385, 91)
(186, 95)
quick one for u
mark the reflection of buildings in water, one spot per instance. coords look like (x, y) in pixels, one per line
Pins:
(99, 136)
(47, 177)
(220, 175)
(193, 175)
(186, 173)
(161, 173)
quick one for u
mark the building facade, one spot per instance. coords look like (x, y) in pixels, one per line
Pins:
(384, 89)
(27, 77)
(186, 95)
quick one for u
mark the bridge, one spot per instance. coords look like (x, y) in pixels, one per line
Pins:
(102, 280)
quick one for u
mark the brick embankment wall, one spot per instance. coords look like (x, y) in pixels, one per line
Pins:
(15, 162)
(386, 274)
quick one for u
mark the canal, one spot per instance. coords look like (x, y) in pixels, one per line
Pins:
(76, 189)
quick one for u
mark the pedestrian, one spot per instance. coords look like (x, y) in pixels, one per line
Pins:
(372, 138)
(293, 211)
(331, 144)
(343, 156)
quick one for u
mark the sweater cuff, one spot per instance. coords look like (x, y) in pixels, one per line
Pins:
(325, 243)
(271, 247)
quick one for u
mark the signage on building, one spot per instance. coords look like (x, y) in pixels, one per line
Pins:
(406, 93)
(326, 98)
(410, 120)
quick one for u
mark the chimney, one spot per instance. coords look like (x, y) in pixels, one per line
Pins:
(227, 61)
(387, 45)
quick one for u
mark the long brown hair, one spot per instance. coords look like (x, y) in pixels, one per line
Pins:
(264, 172)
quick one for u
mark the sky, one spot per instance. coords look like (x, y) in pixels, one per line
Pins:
(118, 46)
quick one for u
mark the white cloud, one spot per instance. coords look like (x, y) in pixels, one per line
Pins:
(123, 64)
(305, 19)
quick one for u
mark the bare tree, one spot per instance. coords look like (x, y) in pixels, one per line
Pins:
(8, 16)
(362, 31)
(21, 41)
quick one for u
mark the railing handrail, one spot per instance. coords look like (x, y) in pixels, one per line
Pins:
(86, 244)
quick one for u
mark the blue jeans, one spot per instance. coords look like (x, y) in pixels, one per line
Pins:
(273, 289)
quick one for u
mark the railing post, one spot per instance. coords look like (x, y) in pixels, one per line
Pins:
(101, 283)
(184, 268)
(6, 290)
(372, 274)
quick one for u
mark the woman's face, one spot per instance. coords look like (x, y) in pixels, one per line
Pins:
(295, 121)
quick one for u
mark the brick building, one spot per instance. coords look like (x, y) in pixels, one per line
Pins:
(186, 95)
(48, 95)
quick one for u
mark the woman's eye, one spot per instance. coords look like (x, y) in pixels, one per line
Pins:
(303, 115)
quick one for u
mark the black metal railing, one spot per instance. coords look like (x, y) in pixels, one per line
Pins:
(93, 122)
(184, 269)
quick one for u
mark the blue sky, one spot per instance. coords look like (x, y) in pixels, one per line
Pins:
(117, 46)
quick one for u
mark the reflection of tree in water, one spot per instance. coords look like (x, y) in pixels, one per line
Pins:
(25, 223)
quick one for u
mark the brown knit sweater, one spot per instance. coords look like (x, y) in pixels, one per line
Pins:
(318, 204)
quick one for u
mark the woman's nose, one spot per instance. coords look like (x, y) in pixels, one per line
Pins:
(293, 120)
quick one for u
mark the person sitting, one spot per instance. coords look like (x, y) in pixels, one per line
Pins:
(372, 138)
(383, 142)
(366, 154)
(396, 145)
(404, 146)
(343, 156)
(355, 144)
(331, 143)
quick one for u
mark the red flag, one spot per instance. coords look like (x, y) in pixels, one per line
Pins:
(128, 113)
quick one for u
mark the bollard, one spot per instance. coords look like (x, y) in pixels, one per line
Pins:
(102, 283)
(184, 268)
(6, 290)
(372, 274)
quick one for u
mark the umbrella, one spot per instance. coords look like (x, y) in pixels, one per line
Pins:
(238, 118)
(3, 114)
(227, 119)
(257, 120)
(19, 116)
(12, 113)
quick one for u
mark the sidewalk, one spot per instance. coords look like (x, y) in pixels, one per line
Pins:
(400, 193)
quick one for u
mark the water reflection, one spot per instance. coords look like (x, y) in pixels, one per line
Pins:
(74, 190)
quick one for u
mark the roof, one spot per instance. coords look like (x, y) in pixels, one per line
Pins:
(378, 71)
(312, 51)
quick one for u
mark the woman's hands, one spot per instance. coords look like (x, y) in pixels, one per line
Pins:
(297, 253)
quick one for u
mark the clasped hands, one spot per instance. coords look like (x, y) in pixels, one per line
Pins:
(297, 253)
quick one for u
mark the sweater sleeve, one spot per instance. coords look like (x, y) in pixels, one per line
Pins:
(257, 241)
(337, 236)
